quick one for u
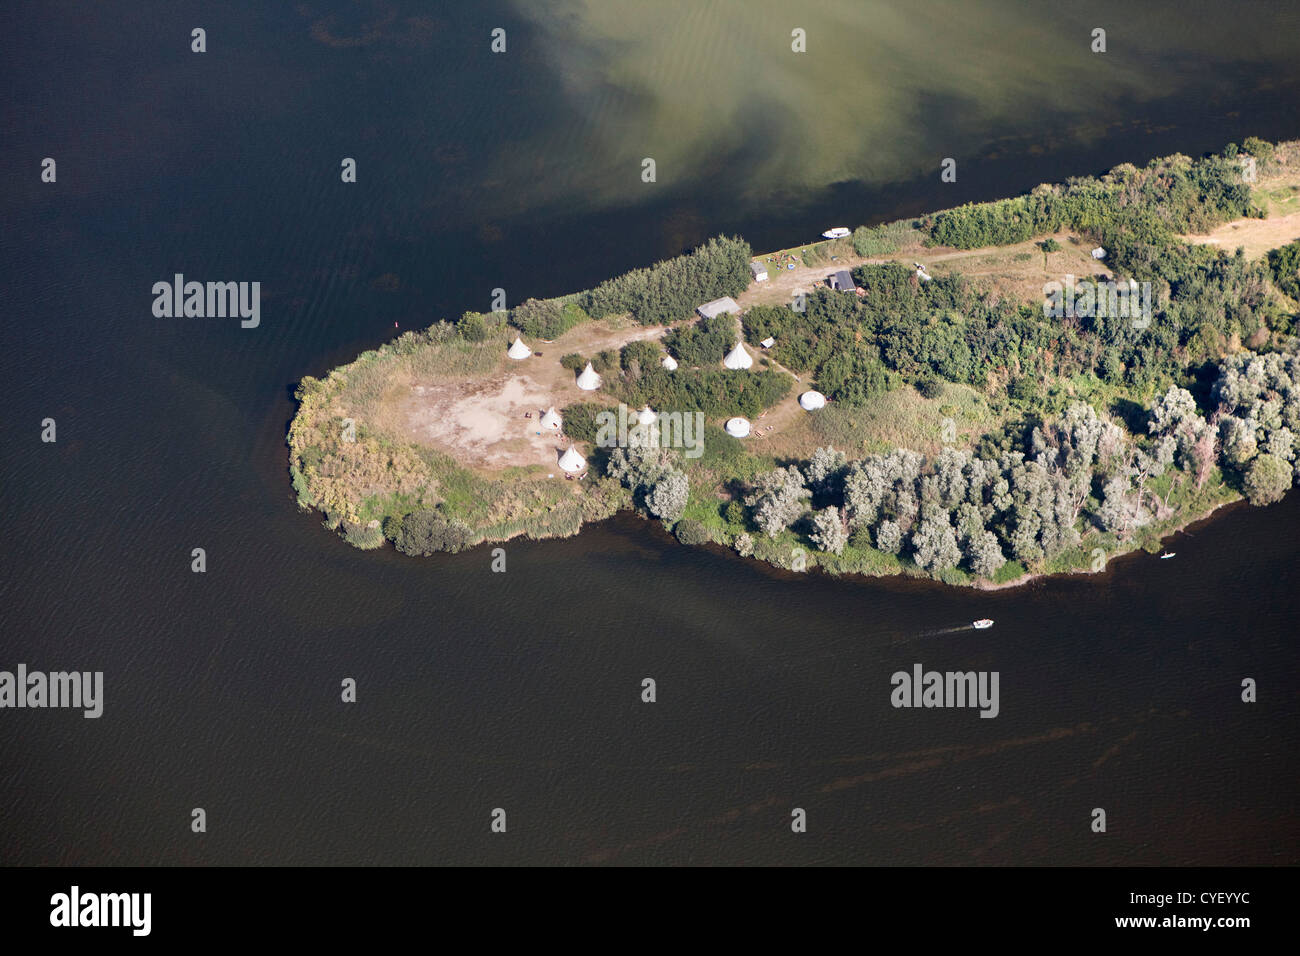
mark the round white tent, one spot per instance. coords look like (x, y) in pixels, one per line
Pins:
(572, 462)
(588, 381)
(738, 358)
(518, 350)
(551, 421)
(646, 416)
(669, 363)
(812, 400)
(737, 427)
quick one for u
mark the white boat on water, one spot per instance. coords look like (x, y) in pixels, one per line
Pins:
(837, 232)
(982, 624)
(1167, 555)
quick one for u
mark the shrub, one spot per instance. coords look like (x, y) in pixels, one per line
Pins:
(884, 239)
(363, 534)
(930, 386)
(604, 361)
(690, 531)
(573, 361)
(580, 421)
(734, 514)
(472, 327)
(427, 531)
(542, 318)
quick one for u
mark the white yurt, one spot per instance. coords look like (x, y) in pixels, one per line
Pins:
(518, 350)
(669, 363)
(572, 462)
(588, 381)
(738, 357)
(810, 401)
(646, 416)
(736, 427)
(551, 421)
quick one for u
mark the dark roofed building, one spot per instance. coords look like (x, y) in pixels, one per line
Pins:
(841, 281)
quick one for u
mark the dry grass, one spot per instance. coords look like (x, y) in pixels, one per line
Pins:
(902, 418)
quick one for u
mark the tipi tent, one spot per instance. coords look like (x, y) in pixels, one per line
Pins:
(519, 351)
(738, 357)
(588, 381)
(737, 427)
(809, 401)
(572, 462)
(646, 416)
(669, 363)
(551, 421)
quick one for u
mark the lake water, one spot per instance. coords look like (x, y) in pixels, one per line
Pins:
(522, 690)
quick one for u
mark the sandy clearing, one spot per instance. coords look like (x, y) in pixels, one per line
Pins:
(491, 424)
(1257, 236)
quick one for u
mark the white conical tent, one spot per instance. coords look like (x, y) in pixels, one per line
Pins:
(812, 400)
(572, 462)
(519, 350)
(646, 416)
(737, 427)
(669, 363)
(551, 421)
(737, 357)
(588, 381)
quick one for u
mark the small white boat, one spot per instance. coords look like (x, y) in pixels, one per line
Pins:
(837, 232)
(1167, 555)
(982, 624)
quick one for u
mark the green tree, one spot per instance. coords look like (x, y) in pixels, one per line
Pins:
(1048, 245)
(1267, 479)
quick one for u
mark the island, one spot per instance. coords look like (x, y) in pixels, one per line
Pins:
(982, 395)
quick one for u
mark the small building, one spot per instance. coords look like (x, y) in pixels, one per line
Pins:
(768, 342)
(588, 381)
(759, 271)
(737, 427)
(841, 281)
(812, 400)
(738, 358)
(711, 310)
(1099, 253)
(571, 462)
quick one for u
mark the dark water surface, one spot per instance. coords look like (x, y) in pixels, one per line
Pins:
(521, 690)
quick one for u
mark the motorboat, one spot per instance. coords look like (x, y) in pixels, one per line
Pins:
(837, 232)
(982, 624)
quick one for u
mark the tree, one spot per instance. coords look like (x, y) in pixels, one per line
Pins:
(934, 544)
(985, 554)
(889, 537)
(777, 499)
(1267, 479)
(824, 470)
(829, 531)
(666, 499)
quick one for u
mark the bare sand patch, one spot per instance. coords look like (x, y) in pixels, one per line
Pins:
(493, 423)
(1256, 236)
